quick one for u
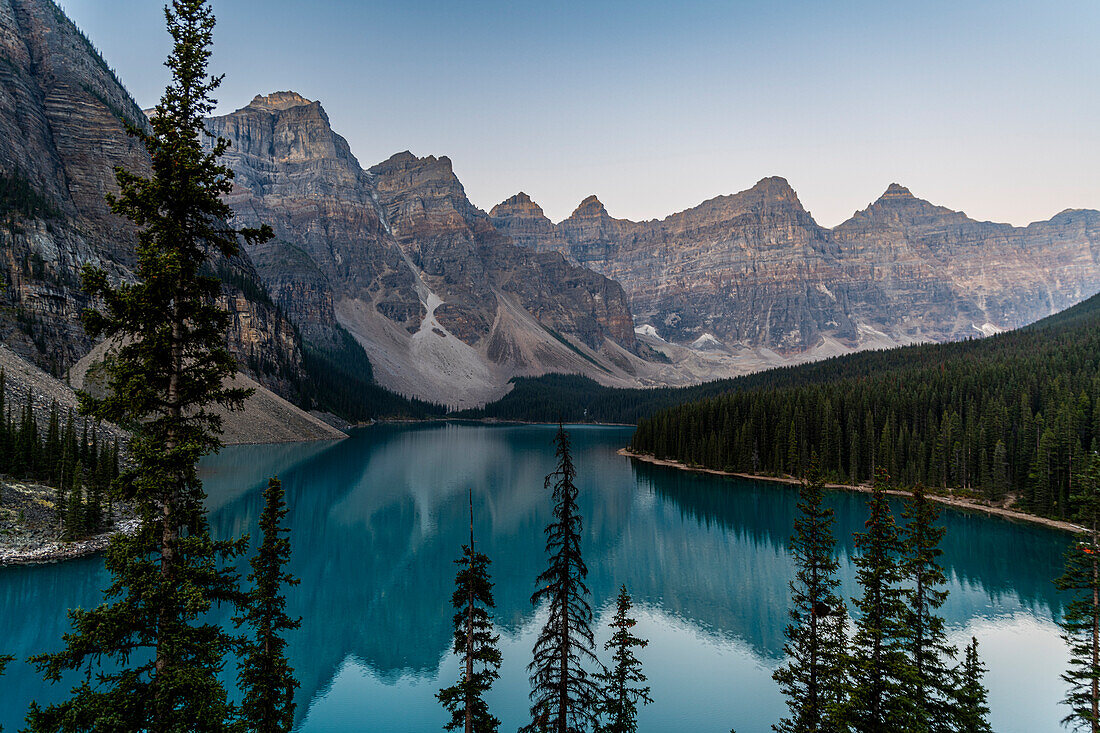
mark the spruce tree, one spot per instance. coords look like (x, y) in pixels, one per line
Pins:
(813, 678)
(622, 682)
(75, 515)
(264, 673)
(158, 657)
(1081, 619)
(932, 683)
(879, 668)
(5, 659)
(563, 695)
(474, 643)
(970, 712)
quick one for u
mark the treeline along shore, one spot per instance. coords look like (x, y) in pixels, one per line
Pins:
(963, 503)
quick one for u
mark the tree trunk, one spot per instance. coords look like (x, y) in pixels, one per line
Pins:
(1095, 636)
(470, 625)
(815, 702)
(470, 655)
(169, 530)
(563, 690)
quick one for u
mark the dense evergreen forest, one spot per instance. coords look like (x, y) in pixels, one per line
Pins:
(574, 398)
(1014, 413)
(67, 455)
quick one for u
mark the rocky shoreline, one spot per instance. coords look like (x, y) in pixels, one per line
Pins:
(29, 527)
(956, 502)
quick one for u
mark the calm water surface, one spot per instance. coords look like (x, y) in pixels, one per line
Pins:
(378, 520)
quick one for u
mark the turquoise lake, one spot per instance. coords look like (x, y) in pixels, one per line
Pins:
(378, 519)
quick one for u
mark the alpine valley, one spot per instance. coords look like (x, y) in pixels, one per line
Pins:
(386, 283)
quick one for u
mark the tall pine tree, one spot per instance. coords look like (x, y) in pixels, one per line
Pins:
(932, 682)
(5, 659)
(1081, 619)
(158, 657)
(623, 681)
(879, 667)
(563, 695)
(970, 713)
(474, 643)
(265, 675)
(814, 677)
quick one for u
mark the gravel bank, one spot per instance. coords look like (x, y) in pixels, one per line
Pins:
(30, 530)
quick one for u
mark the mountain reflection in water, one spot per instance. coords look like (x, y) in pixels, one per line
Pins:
(377, 521)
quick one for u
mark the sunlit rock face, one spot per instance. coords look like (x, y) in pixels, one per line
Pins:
(63, 117)
(754, 268)
(446, 306)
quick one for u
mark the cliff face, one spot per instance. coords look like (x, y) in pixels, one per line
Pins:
(754, 269)
(294, 173)
(446, 306)
(954, 275)
(62, 132)
(457, 248)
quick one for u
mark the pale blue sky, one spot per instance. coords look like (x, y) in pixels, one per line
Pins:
(988, 107)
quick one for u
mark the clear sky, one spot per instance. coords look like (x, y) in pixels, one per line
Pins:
(988, 107)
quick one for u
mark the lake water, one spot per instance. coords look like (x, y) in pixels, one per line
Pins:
(378, 520)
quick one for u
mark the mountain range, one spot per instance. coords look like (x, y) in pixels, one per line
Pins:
(389, 275)
(754, 269)
(447, 308)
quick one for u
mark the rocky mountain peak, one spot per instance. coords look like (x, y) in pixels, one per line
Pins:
(589, 207)
(279, 100)
(519, 206)
(896, 191)
(897, 206)
(775, 188)
(407, 161)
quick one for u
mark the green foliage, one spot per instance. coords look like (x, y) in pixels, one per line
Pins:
(563, 695)
(1014, 412)
(576, 399)
(880, 671)
(622, 682)
(158, 658)
(18, 198)
(933, 683)
(474, 643)
(1081, 619)
(57, 458)
(339, 379)
(5, 659)
(971, 711)
(264, 674)
(814, 678)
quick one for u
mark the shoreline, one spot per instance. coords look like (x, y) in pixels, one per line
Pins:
(487, 421)
(61, 551)
(954, 502)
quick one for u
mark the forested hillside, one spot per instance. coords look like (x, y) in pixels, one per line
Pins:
(1014, 413)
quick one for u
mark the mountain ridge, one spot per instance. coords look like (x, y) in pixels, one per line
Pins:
(445, 306)
(754, 269)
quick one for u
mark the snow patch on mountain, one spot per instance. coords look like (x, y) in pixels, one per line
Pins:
(707, 342)
(987, 329)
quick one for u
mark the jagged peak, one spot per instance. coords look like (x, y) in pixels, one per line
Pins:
(590, 206)
(775, 187)
(896, 191)
(407, 159)
(521, 203)
(279, 100)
